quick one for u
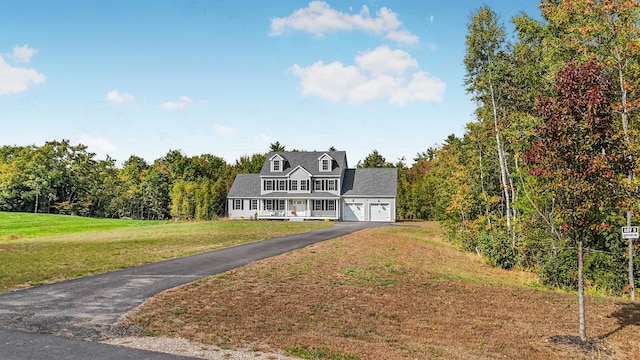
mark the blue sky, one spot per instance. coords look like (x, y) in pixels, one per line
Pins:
(229, 78)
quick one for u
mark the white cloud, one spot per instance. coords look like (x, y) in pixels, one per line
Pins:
(16, 79)
(223, 130)
(384, 60)
(382, 73)
(331, 81)
(118, 97)
(422, 87)
(318, 18)
(402, 37)
(23, 53)
(96, 144)
(181, 103)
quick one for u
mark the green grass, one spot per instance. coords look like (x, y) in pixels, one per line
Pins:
(24, 225)
(321, 354)
(46, 248)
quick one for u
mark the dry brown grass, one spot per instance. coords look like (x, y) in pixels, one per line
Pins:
(389, 293)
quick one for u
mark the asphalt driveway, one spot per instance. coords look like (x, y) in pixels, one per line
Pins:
(87, 309)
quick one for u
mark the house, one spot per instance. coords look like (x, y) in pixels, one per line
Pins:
(313, 185)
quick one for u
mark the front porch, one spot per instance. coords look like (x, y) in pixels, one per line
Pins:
(298, 209)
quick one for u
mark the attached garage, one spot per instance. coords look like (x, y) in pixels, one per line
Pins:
(369, 194)
(353, 212)
(380, 212)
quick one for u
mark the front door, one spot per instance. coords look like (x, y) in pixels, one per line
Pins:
(298, 207)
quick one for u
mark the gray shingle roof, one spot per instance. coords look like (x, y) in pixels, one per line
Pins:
(370, 182)
(356, 182)
(308, 160)
(245, 186)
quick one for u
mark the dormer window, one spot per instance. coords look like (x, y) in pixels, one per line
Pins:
(277, 163)
(325, 163)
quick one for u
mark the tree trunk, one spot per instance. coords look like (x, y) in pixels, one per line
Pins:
(583, 330)
(501, 161)
(627, 141)
(484, 193)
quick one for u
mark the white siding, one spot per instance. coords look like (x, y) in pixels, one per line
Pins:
(244, 213)
(371, 210)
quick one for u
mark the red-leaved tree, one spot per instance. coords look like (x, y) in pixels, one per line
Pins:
(579, 150)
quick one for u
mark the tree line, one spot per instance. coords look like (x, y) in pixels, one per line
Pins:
(62, 178)
(544, 176)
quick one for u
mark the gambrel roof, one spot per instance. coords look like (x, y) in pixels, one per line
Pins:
(309, 160)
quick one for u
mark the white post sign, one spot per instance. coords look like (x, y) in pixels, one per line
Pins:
(629, 232)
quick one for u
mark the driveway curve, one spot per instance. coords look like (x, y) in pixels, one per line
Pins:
(87, 308)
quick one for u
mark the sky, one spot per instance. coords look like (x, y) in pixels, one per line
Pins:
(229, 78)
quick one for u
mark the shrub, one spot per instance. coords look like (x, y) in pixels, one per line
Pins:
(605, 272)
(497, 249)
(560, 270)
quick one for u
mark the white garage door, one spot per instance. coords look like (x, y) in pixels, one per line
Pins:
(353, 212)
(380, 212)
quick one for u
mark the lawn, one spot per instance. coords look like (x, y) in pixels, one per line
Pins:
(397, 292)
(25, 225)
(39, 248)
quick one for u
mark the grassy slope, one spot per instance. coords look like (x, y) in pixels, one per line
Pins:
(38, 248)
(387, 293)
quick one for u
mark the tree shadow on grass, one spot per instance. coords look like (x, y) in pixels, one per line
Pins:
(627, 314)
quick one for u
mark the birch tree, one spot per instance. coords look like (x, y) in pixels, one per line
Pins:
(484, 63)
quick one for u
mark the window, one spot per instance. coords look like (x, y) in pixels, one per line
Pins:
(282, 185)
(331, 184)
(253, 204)
(268, 185)
(324, 205)
(325, 185)
(294, 185)
(237, 204)
(274, 204)
(304, 185)
(326, 165)
(276, 165)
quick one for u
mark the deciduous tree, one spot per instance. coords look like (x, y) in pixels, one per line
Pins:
(581, 155)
